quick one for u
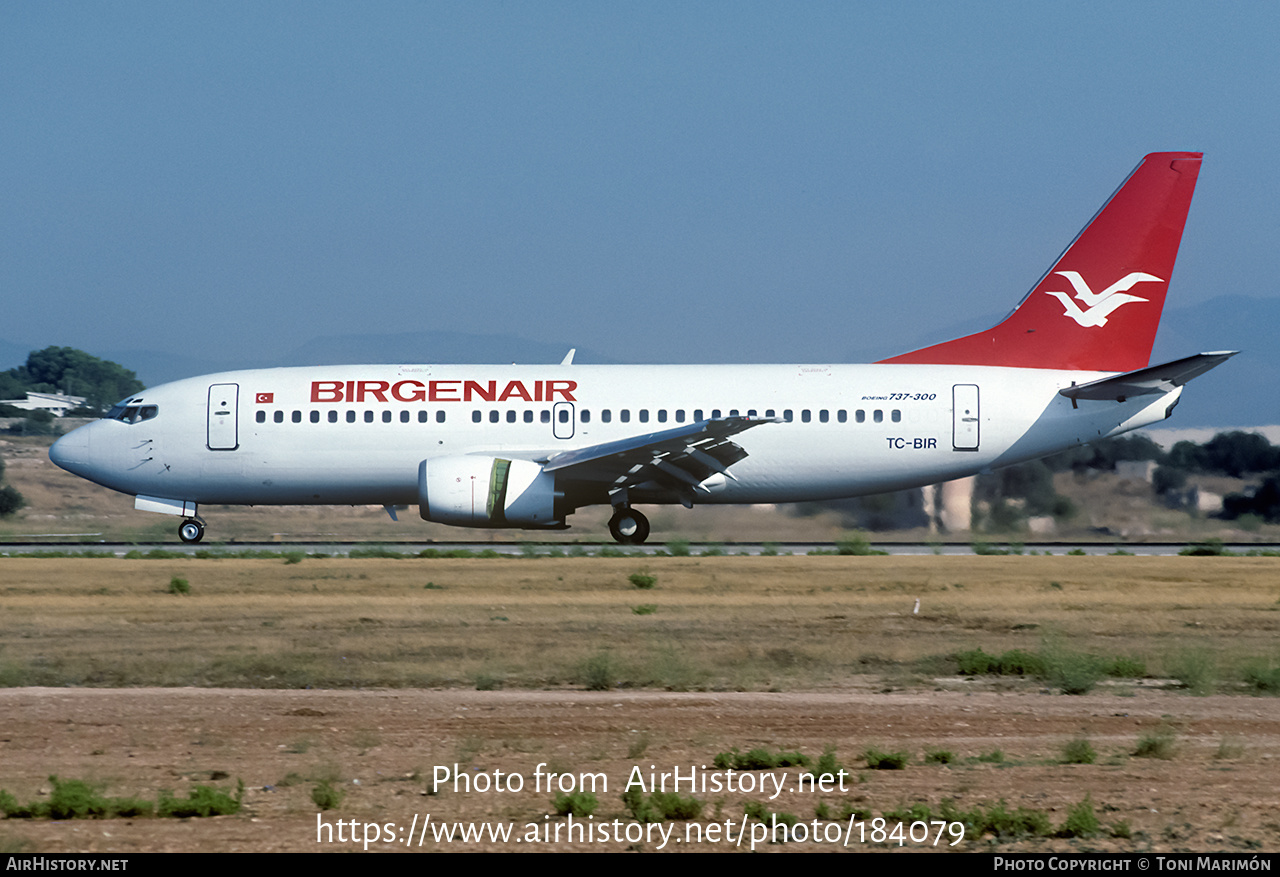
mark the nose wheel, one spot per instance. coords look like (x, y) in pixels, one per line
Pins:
(628, 526)
(191, 530)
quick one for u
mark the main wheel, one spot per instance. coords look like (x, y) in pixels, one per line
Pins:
(191, 530)
(629, 527)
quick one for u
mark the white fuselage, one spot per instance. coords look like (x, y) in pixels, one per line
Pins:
(357, 434)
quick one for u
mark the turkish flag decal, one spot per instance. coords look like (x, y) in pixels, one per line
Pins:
(265, 398)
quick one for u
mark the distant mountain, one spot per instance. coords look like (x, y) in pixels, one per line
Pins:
(1245, 390)
(432, 347)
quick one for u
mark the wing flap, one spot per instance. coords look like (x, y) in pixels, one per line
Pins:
(1147, 381)
(678, 460)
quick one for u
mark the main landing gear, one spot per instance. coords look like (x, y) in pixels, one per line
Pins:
(628, 526)
(191, 530)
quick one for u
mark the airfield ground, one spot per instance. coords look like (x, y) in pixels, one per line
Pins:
(113, 679)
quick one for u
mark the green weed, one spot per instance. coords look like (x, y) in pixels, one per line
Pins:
(1161, 743)
(1081, 820)
(325, 796)
(580, 804)
(599, 672)
(201, 801)
(642, 580)
(1079, 751)
(877, 760)
(1196, 669)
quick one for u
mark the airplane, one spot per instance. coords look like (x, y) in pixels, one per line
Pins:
(525, 446)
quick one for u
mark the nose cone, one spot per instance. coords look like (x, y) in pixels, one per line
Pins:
(71, 452)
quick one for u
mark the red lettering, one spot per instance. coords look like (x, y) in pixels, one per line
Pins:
(537, 391)
(564, 388)
(515, 388)
(487, 395)
(439, 388)
(376, 389)
(418, 395)
(351, 391)
(326, 391)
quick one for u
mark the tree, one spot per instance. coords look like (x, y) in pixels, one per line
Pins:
(10, 501)
(1235, 453)
(75, 373)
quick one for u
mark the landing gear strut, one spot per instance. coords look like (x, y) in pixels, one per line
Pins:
(628, 526)
(191, 530)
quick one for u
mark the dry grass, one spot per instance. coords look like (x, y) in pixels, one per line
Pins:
(722, 623)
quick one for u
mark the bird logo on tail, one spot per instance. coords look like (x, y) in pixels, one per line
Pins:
(1098, 305)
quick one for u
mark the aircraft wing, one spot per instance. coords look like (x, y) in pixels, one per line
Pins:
(1146, 381)
(677, 459)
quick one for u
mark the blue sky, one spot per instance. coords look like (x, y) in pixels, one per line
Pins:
(680, 182)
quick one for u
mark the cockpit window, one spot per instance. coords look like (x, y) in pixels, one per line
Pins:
(131, 412)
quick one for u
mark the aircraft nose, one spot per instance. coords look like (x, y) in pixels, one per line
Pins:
(71, 452)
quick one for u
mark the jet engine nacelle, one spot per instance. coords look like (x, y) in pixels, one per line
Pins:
(474, 491)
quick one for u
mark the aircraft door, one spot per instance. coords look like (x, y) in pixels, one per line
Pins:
(562, 420)
(224, 429)
(964, 417)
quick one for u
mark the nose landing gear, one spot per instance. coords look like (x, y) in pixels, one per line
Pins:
(191, 530)
(628, 526)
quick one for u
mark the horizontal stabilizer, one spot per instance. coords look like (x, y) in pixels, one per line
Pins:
(1147, 381)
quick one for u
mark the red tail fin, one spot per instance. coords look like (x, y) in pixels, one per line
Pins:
(1098, 307)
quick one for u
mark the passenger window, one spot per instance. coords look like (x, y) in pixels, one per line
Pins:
(511, 417)
(878, 416)
(788, 415)
(261, 417)
(697, 415)
(315, 416)
(625, 415)
(546, 416)
(476, 416)
(896, 416)
(297, 417)
(751, 413)
(333, 417)
(860, 416)
(644, 415)
(606, 415)
(679, 415)
(662, 415)
(404, 416)
(842, 415)
(439, 417)
(278, 417)
(493, 416)
(386, 417)
(351, 417)
(805, 416)
(528, 417)
(770, 413)
(823, 416)
(368, 417)
(423, 416)
(715, 413)
(564, 415)
(586, 416)
(733, 412)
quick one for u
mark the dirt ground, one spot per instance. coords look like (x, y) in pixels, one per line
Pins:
(1220, 790)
